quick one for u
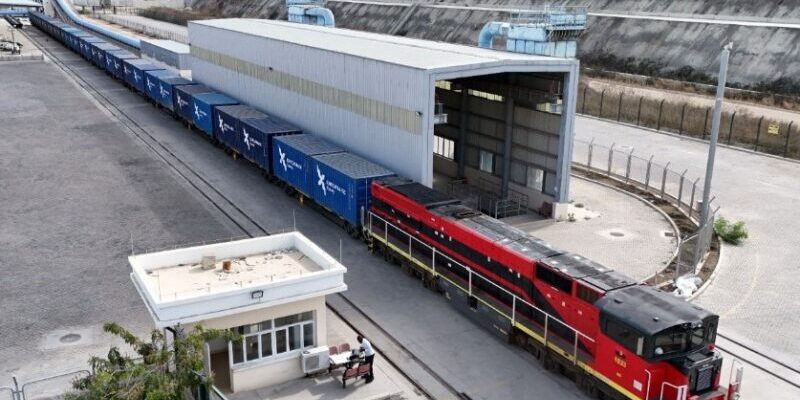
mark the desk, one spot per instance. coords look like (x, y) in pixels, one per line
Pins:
(342, 360)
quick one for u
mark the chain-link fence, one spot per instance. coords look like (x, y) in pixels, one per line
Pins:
(684, 192)
(756, 132)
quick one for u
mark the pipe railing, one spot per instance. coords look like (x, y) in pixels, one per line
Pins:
(472, 277)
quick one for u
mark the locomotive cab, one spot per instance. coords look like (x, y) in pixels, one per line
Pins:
(673, 340)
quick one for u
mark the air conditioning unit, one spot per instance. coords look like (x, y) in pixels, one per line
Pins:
(315, 360)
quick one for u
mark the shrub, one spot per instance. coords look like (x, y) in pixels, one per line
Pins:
(730, 232)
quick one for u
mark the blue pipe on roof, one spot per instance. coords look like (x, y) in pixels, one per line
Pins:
(70, 13)
(324, 16)
(311, 14)
(489, 31)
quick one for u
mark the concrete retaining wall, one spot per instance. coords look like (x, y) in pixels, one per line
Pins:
(760, 53)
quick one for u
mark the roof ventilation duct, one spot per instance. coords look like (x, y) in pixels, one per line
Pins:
(310, 12)
(552, 31)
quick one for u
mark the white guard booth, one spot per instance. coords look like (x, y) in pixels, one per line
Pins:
(269, 289)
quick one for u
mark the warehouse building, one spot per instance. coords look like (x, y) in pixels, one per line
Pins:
(433, 112)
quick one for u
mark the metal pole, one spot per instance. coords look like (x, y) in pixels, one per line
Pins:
(639, 113)
(664, 180)
(619, 107)
(712, 148)
(788, 135)
(758, 133)
(583, 105)
(660, 109)
(683, 114)
(602, 98)
(610, 158)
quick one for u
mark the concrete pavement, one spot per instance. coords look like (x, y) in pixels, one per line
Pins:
(754, 291)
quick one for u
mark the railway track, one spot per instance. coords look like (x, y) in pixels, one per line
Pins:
(759, 360)
(433, 385)
(430, 383)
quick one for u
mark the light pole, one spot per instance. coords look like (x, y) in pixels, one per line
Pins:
(712, 146)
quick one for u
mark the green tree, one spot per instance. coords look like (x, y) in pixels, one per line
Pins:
(161, 370)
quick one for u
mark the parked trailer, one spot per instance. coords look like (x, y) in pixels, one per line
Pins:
(116, 63)
(342, 185)
(251, 134)
(183, 100)
(137, 67)
(291, 159)
(203, 105)
(152, 82)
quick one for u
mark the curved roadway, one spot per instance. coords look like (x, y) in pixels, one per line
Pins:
(755, 291)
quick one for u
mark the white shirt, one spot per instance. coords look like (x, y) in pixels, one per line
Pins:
(366, 347)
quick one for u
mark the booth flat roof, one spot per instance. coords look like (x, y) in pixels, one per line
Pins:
(414, 53)
(184, 281)
(264, 272)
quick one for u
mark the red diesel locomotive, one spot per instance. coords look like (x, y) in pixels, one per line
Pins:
(629, 341)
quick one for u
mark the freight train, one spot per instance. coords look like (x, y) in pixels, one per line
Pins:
(616, 337)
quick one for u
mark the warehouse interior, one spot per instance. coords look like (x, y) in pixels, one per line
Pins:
(498, 145)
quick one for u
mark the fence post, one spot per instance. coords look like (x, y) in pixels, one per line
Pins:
(639, 113)
(788, 135)
(680, 188)
(664, 180)
(619, 107)
(683, 113)
(647, 175)
(660, 109)
(730, 127)
(628, 167)
(610, 158)
(602, 100)
(705, 123)
(758, 134)
(691, 201)
(591, 148)
(583, 106)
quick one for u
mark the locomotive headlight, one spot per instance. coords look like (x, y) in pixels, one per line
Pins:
(659, 351)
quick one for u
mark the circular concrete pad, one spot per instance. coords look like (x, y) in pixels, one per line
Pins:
(626, 235)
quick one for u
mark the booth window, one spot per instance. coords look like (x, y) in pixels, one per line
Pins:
(273, 337)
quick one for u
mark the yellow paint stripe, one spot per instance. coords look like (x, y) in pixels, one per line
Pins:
(519, 325)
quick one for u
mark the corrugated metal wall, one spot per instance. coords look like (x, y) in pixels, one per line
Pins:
(367, 106)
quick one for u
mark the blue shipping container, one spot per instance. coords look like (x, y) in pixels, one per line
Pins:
(71, 33)
(136, 76)
(116, 63)
(166, 88)
(182, 101)
(88, 51)
(152, 81)
(226, 123)
(341, 183)
(103, 49)
(256, 135)
(291, 158)
(203, 112)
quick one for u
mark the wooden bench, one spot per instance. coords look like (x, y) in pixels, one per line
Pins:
(356, 372)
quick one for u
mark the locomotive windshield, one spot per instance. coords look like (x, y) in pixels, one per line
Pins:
(682, 339)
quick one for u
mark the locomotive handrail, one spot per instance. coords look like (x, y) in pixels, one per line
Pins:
(432, 269)
(680, 391)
